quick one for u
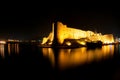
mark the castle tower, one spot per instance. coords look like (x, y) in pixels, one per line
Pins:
(54, 30)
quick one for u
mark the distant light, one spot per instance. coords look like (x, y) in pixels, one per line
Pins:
(2, 42)
(33, 40)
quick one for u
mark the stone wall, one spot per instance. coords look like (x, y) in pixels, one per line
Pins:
(63, 32)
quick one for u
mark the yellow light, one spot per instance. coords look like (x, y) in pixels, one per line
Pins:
(44, 40)
(68, 43)
(81, 42)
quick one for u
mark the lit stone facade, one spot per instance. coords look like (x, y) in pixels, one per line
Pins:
(64, 32)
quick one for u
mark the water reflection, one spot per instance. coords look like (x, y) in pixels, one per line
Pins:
(74, 57)
(2, 50)
(13, 48)
(49, 53)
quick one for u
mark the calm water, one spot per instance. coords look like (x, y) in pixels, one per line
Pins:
(79, 63)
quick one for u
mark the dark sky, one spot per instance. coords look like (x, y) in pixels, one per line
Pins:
(32, 21)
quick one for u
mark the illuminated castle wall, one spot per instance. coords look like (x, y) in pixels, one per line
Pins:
(64, 32)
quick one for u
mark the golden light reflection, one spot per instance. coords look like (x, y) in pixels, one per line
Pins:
(13, 48)
(2, 49)
(9, 49)
(79, 56)
(82, 55)
(48, 52)
(17, 48)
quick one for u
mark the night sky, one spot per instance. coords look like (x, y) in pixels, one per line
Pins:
(35, 21)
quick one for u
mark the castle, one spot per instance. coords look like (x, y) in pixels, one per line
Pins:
(67, 35)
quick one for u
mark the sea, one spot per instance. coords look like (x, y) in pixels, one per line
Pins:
(30, 61)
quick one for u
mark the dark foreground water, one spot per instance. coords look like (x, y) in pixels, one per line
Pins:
(31, 61)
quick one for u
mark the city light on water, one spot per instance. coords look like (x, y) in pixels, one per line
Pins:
(2, 50)
(11, 48)
(78, 56)
(48, 52)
